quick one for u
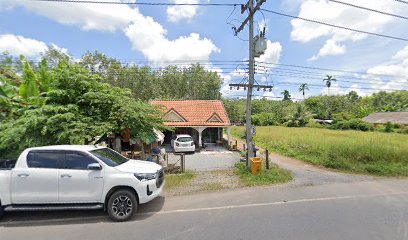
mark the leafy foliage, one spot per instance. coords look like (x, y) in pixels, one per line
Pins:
(171, 82)
(77, 108)
(29, 87)
(286, 95)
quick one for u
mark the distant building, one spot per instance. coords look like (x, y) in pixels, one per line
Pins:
(384, 117)
(204, 120)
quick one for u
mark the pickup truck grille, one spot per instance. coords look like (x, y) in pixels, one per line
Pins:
(160, 178)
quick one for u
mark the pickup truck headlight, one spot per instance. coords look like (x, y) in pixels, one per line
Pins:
(145, 176)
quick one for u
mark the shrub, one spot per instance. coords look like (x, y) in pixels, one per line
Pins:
(355, 124)
(313, 124)
(389, 127)
(263, 119)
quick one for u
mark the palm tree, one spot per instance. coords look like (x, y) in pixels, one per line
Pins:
(286, 95)
(302, 88)
(329, 79)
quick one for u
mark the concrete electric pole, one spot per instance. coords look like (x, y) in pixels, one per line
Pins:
(250, 85)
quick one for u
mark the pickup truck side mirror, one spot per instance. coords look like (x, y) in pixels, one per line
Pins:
(94, 166)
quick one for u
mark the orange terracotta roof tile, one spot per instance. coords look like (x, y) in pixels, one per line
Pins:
(195, 112)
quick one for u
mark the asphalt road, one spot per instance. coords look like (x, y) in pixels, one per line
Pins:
(353, 210)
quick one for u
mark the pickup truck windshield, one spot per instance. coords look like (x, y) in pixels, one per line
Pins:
(109, 157)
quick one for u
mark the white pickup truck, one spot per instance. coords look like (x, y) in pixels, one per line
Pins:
(78, 177)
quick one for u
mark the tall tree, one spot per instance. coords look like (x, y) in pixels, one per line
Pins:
(329, 79)
(286, 95)
(29, 87)
(302, 88)
(78, 107)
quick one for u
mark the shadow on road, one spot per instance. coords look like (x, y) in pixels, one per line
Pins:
(46, 218)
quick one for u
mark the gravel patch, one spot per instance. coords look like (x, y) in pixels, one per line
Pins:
(208, 181)
(207, 161)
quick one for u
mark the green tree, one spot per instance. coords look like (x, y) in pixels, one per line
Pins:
(286, 95)
(78, 107)
(300, 118)
(29, 88)
(353, 96)
(302, 88)
(329, 79)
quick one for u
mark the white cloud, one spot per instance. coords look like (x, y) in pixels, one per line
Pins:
(272, 53)
(178, 13)
(60, 49)
(87, 16)
(149, 37)
(331, 48)
(145, 34)
(402, 54)
(17, 45)
(342, 15)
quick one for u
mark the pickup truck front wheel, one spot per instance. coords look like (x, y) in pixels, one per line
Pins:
(1, 210)
(122, 205)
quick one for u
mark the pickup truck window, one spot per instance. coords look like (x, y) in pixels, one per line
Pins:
(109, 157)
(44, 159)
(77, 161)
(184, 139)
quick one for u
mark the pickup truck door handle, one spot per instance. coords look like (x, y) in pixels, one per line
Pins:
(66, 176)
(23, 175)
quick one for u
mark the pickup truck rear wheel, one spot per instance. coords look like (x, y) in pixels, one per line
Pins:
(122, 205)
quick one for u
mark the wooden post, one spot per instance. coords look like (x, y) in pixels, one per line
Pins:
(243, 145)
(182, 162)
(236, 143)
(267, 158)
(246, 159)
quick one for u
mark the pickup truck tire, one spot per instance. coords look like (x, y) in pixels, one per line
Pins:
(1, 210)
(122, 205)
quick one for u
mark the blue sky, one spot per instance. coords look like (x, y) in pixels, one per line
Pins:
(158, 35)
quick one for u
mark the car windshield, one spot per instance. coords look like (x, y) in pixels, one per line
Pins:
(109, 157)
(184, 139)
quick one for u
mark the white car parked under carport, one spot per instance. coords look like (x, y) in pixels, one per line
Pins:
(183, 143)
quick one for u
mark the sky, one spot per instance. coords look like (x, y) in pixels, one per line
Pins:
(297, 51)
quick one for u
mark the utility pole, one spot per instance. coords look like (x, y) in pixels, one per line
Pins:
(250, 5)
(248, 125)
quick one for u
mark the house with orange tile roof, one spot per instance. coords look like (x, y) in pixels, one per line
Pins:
(204, 120)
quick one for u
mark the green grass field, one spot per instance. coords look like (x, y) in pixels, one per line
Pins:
(375, 153)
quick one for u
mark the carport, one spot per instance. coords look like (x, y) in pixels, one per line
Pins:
(204, 120)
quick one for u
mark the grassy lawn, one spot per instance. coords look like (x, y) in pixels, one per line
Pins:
(179, 180)
(382, 154)
(272, 176)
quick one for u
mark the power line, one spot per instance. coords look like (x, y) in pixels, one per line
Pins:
(369, 9)
(269, 70)
(141, 3)
(329, 69)
(378, 82)
(318, 86)
(401, 1)
(337, 26)
(264, 66)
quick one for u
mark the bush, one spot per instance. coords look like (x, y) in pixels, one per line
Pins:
(355, 124)
(389, 127)
(263, 119)
(313, 124)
